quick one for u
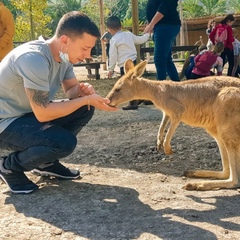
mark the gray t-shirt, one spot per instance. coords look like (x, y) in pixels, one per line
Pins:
(31, 65)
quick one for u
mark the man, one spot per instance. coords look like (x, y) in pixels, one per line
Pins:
(36, 128)
(7, 31)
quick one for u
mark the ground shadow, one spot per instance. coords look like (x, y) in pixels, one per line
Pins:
(129, 142)
(111, 212)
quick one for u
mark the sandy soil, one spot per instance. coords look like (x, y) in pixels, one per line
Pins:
(128, 190)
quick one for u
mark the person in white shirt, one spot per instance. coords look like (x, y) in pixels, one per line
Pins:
(122, 47)
(236, 47)
(211, 25)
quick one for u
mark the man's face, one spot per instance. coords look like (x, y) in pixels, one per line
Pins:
(79, 48)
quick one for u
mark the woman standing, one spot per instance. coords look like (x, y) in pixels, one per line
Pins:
(165, 23)
(223, 33)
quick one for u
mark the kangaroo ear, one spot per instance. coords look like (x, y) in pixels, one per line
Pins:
(139, 69)
(128, 65)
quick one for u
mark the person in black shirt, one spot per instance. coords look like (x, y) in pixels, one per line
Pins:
(165, 23)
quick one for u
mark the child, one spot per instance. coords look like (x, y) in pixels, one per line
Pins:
(236, 46)
(206, 60)
(211, 25)
(190, 64)
(122, 47)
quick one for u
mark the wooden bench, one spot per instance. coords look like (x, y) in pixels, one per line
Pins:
(91, 66)
(144, 50)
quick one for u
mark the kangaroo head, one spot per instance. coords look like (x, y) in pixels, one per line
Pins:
(125, 89)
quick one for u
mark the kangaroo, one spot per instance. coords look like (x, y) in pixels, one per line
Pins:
(212, 103)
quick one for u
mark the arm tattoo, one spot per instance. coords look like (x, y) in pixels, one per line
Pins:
(40, 98)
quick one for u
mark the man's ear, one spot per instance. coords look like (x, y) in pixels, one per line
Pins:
(64, 39)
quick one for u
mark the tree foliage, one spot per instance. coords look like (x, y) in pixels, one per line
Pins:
(117, 8)
(196, 8)
(142, 4)
(31, 20)
(234, 6)
(57, 8)
(92, 9)
(40, 17)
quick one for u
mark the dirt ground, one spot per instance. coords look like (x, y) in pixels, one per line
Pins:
(128, 190)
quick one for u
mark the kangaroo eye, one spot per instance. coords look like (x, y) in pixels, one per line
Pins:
(118, 89)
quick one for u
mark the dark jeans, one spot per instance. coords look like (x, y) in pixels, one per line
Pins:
(163, 37)
(122, 68)
(34, 143)
(196, 76)
(230, 58)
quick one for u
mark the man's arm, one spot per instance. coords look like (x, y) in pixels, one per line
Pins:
(73, 89)
(47, 111)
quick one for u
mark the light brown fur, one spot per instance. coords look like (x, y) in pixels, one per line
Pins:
(212, 103)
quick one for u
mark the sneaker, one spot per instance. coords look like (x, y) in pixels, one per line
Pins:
(16, 181)
(56, 169)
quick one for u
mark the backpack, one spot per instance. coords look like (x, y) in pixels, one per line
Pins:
(221, 35)
(206, 61)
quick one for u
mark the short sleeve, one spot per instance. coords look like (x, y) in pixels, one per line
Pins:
(33, 68)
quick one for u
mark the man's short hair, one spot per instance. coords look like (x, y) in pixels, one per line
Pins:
(75, 23)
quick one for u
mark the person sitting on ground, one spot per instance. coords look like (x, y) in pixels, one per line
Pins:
(206, 60)
(37, 129)
(189, 63)
(122, 47)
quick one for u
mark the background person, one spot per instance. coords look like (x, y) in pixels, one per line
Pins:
(38, 130)
(211, 25)
(122, 47)
(223, 33)
(106, 37)
(206, 60)
(165, 23)
(7, 30)
(190, 63)
(236, 48)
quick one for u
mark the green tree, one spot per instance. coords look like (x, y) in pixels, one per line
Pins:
(117, 7)
(31, 20)
(233, 6)
(196, 8)
(142, 4)
(57, 8)
(213, 7)
(92, 9)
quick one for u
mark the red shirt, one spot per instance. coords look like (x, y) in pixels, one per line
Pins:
(229, 42)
